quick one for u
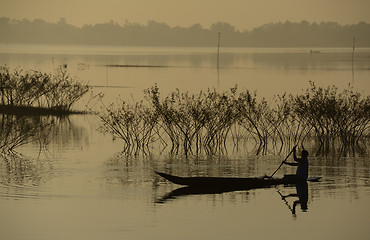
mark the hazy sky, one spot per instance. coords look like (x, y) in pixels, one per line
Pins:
(243, 14)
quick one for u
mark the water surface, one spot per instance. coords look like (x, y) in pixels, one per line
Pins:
(270, 71)
(81, 187)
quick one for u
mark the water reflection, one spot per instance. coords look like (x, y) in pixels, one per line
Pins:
(16, 131)
(26, 157)
(69, 133)
(301, 194)
(20, 172)
(186, 191)
(337, 149)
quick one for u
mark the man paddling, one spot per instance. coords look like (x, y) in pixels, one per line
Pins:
(302, 163)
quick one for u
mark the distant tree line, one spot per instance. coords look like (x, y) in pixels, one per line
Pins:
(281, 34)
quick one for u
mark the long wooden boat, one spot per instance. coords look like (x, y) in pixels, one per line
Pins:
(232, 182)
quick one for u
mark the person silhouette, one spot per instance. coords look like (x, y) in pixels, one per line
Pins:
(301, 163)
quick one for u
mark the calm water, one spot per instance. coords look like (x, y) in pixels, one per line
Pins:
(267, 71)
(81, 187)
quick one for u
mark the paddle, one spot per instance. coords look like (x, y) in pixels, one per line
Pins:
(281, 163)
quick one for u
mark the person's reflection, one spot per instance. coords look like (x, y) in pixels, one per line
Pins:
(302, 195)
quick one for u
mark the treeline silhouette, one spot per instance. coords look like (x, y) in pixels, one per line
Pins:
(281, 34)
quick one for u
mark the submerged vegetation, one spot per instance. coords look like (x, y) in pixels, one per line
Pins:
(46, 93)
(209, 121)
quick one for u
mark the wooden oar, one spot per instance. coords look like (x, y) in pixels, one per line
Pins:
(281, 163)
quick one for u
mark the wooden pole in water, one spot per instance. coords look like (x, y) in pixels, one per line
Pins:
(353, 55)
(218, 50)
(218, 59)
(107, 75)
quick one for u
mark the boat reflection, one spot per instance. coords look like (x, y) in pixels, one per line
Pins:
(301, 194)
(200, 190)
(185, 191)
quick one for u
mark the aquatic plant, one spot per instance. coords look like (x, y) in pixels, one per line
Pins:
(206, 121)
(32, 88)
(220, 115)
(133, 124)
(334, 114)
(194, 121)
(63, 91)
